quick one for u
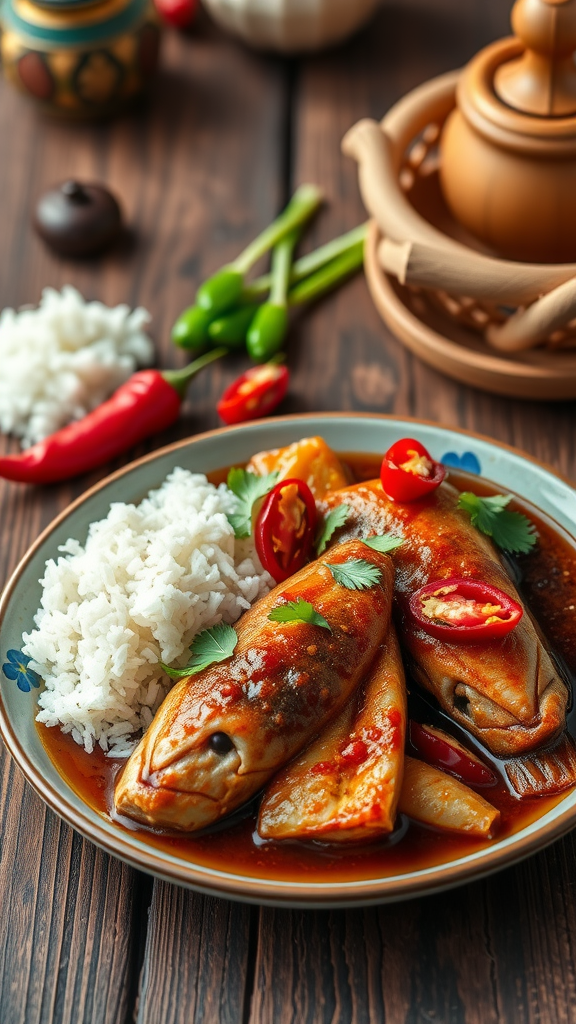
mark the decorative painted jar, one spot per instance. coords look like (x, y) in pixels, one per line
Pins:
(292, 25)
(81, 58)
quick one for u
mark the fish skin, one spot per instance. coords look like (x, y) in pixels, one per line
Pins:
(507, 692)
(282, 685)
(320, 796)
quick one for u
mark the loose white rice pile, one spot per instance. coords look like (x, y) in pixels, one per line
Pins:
(64, 358)
(149, 577)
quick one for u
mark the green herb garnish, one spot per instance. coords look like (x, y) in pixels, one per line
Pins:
(247, 487)
(383, 543)
(336, 518)
(209, 646)
(511, 531)
(356, 574)
(298, 611)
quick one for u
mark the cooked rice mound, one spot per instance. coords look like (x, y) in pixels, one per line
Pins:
(63, 359)
(149, 577)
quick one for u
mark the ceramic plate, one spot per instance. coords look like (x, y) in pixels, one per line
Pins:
(508, 468)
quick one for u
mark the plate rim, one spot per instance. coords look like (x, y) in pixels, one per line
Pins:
(247, 888)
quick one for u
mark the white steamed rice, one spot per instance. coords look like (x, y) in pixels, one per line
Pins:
(149, 577)
(63, 359)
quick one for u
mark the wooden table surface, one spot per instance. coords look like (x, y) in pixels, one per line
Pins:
(226, 137)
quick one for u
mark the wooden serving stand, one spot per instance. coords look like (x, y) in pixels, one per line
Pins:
(495, 323)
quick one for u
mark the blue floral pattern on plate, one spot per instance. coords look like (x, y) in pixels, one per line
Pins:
(467, 461)
(16, 668)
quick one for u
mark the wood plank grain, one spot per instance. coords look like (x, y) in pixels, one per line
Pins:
(68, 921)
(197, 965)
(496, 951)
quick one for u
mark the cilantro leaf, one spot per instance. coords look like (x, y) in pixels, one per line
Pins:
(356, 574)
(247, 487)
(298, 611)
(383, 543)
(511, 531)
(336, 518)
(209, 646)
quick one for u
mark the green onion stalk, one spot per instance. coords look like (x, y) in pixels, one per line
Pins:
(221, 291)
(328, 276)
(311, 262)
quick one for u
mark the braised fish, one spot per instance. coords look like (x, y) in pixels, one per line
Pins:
(506, 691)
(434, 798)
(220, 735)
(345, 786)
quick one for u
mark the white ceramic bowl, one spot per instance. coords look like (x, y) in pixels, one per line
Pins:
(508, 468)
(291, 25)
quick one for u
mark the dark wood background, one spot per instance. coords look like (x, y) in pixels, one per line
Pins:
(224, 140)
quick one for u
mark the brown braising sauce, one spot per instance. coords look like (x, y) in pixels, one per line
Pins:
(547, 580)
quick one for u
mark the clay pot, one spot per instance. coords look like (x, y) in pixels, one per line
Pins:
(79, 58)
(508, 152)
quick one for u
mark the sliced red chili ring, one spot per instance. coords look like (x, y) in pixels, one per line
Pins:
(465, 611)
(409, 472)
(285, 528)
(443, 751)
(256, 393)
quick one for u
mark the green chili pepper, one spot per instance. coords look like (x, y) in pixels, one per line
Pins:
(268, 328)
(221, 291)
(191, 329)
(267, 332)
(231, 329)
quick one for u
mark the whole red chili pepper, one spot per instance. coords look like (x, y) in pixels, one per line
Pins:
(146, 404)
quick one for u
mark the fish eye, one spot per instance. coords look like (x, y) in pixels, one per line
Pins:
(220, 743)
(462, 704)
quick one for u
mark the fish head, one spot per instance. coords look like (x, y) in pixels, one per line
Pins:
(508, 693)
(196, 762)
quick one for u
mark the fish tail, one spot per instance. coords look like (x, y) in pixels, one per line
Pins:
(544, 772)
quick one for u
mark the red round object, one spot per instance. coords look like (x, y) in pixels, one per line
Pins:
(442, 751)
(180, 13)
(285, 529)
(256, 393)
(474, 604)
(36, 76)
(408, 472)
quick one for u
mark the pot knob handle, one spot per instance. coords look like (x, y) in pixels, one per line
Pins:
(543, 80)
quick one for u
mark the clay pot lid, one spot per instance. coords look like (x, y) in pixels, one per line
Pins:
(541, 82)
(507, 90)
